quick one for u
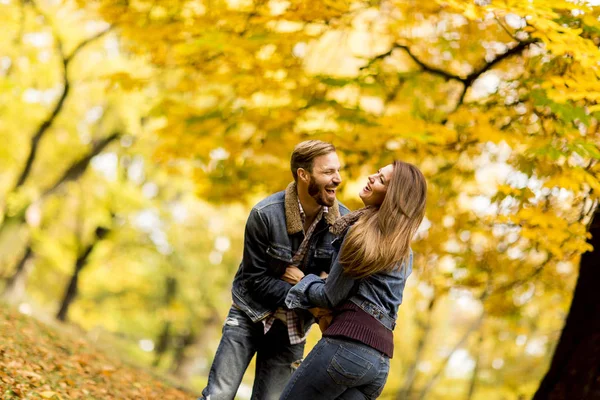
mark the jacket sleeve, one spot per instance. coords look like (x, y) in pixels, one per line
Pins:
(266, 289)
(312, 291)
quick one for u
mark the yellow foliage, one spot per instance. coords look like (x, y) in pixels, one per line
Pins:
(494, 102)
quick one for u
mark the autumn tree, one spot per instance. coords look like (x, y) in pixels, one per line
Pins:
(495, 101)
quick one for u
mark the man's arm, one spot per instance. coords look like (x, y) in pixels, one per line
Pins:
(267, 289)
(313, 291)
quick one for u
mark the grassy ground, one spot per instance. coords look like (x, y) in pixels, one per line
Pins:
(39, 361)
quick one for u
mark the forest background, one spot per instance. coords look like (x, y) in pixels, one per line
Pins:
(136, 136)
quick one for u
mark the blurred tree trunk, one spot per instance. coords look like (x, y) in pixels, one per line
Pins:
(575, 369)
(184, 366)
(15, 284)
(72, 288)
(164, 338)
(162, 343)
(473, 382)
(409, 381)
(182, 344)
(438, 373)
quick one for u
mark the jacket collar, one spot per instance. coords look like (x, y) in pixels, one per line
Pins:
(292, 211)
(343, 223)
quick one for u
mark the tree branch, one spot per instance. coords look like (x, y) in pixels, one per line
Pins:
(519, 48)
(432, 70)
(504, 27)
(516, 283)
(88, 41)
(472, 77)
(377, 58)
(74, 172)
(79, 167)
(522, 281)
(468, 80)
(43, 128)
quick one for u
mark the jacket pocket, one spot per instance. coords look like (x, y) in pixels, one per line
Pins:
(279, 258)
(347, 368)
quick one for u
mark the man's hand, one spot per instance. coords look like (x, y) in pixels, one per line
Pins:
(292, 275)
(323, 275)
(323, 316)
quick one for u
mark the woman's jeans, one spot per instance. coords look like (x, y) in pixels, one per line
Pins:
(339, 369)
(241, 339)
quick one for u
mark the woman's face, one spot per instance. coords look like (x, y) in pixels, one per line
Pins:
(374, 192)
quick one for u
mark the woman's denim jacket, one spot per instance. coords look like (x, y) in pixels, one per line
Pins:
(273, 234)
(380, 294)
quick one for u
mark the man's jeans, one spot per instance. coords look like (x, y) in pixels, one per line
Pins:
(339, 369)
(241, 339)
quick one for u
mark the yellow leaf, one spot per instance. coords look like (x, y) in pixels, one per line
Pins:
(48, 394)
(107, 370)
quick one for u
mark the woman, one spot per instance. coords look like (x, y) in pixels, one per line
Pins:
(364, 288)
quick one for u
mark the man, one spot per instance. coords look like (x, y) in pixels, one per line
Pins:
(288, 228)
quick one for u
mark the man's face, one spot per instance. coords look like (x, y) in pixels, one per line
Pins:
(324, 179)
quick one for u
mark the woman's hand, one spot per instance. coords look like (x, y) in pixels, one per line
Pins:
(292, 275)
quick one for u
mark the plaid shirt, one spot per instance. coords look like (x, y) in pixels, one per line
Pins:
(289, 317)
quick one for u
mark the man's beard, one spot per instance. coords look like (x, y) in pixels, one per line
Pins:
(318, 193)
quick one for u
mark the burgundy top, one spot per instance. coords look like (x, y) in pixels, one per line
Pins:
(352, 322)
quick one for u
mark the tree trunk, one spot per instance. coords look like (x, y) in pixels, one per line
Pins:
(473, 382)
(15, 284)
(186, 364)
(438, 373)
(162, 343)
(406, 392)
(72, 288)
(183, 343)
(575, 369)
(164, 338)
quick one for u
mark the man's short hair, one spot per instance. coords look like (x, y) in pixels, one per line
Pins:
(305, 153)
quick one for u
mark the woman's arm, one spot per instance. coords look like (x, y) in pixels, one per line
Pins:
(313, 291)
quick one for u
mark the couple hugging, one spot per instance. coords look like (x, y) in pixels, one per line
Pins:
(307, 258)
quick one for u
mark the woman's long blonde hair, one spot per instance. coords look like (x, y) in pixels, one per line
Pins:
(381, 236)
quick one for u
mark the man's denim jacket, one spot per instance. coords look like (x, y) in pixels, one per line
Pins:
(274, 232)
(380, 294)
